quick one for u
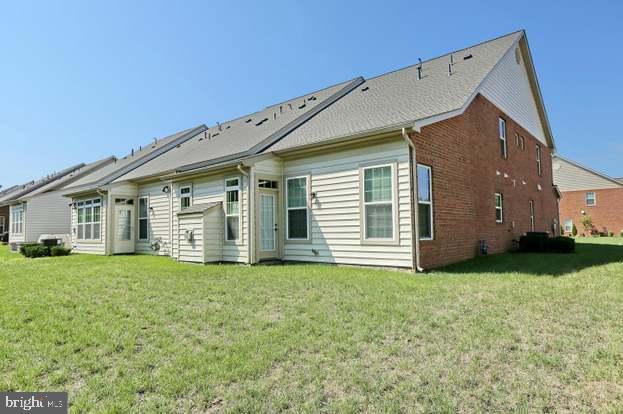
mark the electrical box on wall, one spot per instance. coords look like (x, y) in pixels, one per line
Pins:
(189, 234)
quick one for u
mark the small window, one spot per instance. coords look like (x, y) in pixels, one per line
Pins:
(232, 209)
(297, 208)
(532, 223)
(517, 140)
(425, 202)
(522, 143)
(17, 220)
(186, 196)
(539, 167)
(89, 219)
(591, 198)
(568, 226)
(378, 203)
(503, 146)
(268, 184)
(2, 228)
(143, 218)
(499, 208)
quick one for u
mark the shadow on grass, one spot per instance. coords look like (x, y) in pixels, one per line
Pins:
(586, 255)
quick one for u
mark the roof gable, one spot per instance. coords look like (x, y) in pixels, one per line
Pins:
(571, 176)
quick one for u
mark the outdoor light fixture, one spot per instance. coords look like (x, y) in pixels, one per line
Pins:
(166, 189)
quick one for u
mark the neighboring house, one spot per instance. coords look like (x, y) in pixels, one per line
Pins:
(332, 176)
(586, 192)
(4, 214)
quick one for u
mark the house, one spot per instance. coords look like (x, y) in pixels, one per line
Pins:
(417, 168)
(4, 214)
(588, 193)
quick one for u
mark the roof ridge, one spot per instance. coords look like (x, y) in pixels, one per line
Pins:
(588, 169)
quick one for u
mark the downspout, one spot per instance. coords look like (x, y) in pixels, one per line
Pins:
(104, 196)
(250, 211)
(415, 225)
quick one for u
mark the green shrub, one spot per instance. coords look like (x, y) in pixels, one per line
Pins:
(59, 251)
(611, 234)
(561, 244)
(533, 243)
(25, 246)
(35, 250)
(574, 231)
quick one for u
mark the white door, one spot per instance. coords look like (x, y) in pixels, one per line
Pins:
(124, 229)
(268, 225)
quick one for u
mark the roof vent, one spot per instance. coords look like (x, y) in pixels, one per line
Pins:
(219, 126)
(467, 57)
(216, 135)
(312, 98)
(132, 153)
(228, 126)
(274, 115)
(303, 105)
(261, 122)
(365, 89)
(451, 59)
(449, 69)
(248, 120)
(419, 69)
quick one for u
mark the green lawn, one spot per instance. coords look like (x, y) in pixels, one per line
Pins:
(141, 334)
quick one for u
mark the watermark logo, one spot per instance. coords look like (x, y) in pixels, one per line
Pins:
(33, 402)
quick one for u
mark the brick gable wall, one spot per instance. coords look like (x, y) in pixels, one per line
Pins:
(464, 153)
(607, 213)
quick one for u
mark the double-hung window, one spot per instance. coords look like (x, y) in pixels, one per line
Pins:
(89, 219)
(186, 196)
(17, 220)
(378, 203)
(532, 220)
(425, 202)
(2, 225)
(499, 208)
(503, 145)
(568, 226)
(232, 209)
(591, 198)
(539, 167)
(297, 207)
(143, 218)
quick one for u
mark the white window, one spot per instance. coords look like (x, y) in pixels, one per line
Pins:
(232, 209)
(591, 198)
(297, 206)
(89, 219)
(17, 220)
(503, 146)
(2, 225)
(522, 143)
(425, 202)
(532, 225)
(378, 202)
(143, 218)
(568, 226)
(538, 160)
(499, 208)
(186, 196)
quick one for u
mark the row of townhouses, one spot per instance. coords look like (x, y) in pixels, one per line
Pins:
(417, 168)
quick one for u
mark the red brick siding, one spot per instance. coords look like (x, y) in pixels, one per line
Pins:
(607, 213)
(464, 153)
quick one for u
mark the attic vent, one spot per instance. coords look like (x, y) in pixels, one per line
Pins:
(261, 122)
(466, 57)
(228, 126)
(302, 106)
(215, 135)
(248, 120)
(365, 89)
(312, 98)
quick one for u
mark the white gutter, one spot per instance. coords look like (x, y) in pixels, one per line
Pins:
(415, 225)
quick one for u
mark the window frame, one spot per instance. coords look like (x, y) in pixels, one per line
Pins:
(17, 226)
(522, 142)
(2, 224)
(237, 188)
(539, 155)
(570, 221)
(307, 207)
(594, 198)
(146, 218)
(430, 203)
(82, 205)
(394, 240)
(503, 135)
(532, 215)
(500, 208)
(182, 197)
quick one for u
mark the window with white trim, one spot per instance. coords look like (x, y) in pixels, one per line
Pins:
(503, 145)
(2, 225)
(425, 201)
(532, 223)
(378, 200)
(17, 220)
(499, 208)
(143, 218)
(591, 198)
(568, 226)
(297, 207)
(186, 196)
(232, 209)
(89, 219)
(539, 167)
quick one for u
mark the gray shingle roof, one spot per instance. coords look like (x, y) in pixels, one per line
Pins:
(242, 136)
(121, 166)
(399, 98)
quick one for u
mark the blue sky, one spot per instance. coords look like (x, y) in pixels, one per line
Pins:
(82, 80)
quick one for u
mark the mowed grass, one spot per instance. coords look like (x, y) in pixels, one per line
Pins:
(526, 333)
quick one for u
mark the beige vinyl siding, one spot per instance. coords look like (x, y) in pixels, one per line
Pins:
(508, 87)
(214, 227)
(191, 251)
(212, 189)
(90, 246)
(336, 225)
(159, 213)
(17, 237)
(48, 213)
(271, 166)
(570, 177)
